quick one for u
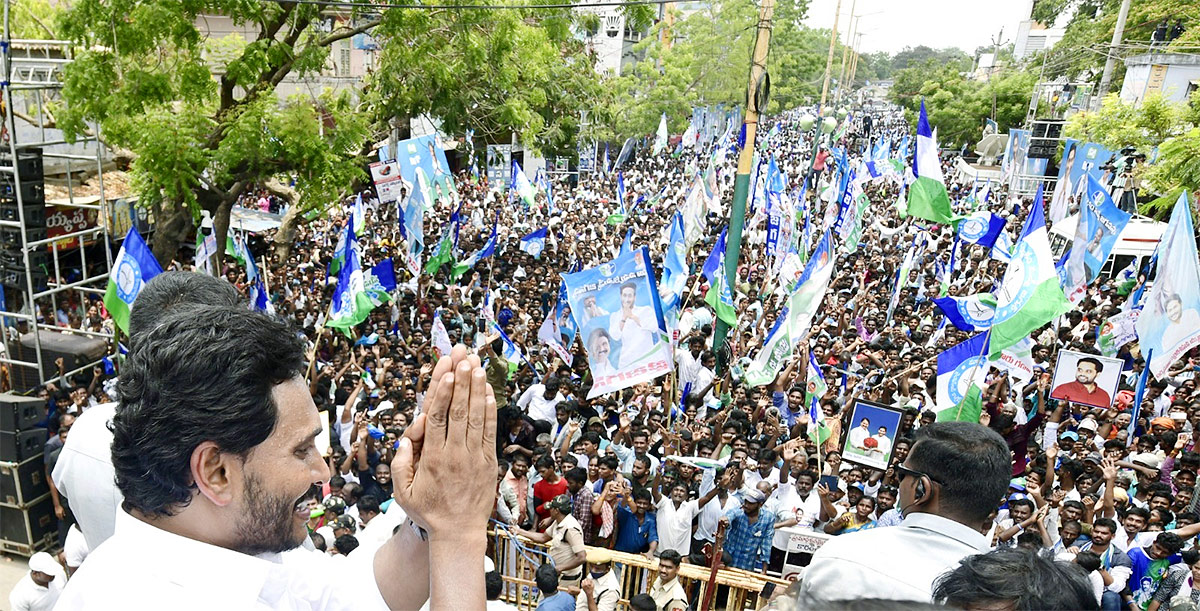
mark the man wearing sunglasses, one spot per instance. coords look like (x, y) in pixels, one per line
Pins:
(954, 476)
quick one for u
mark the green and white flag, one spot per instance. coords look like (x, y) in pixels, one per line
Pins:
(1030, 294)
(660, 138)
(775, 352)
(134, 266)
(814, 389)
(444, 254)
(351, 303)
(720, 298)
(927, 197)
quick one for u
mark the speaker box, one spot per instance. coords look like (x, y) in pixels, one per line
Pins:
(10, 237)
(35, 212)
(75, 350)
(21, 484)
(18, 413)
(28, 529)
(19, 446)
(29, 164)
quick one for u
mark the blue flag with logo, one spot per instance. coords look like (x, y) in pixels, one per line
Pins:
(957, 372)
(534, 243)
(981, 228)
(973, 313)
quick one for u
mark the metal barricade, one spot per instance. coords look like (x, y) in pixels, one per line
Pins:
(517, 560)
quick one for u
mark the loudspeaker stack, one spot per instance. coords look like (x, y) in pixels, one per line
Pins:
(27, 522)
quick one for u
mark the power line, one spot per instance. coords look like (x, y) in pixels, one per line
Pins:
(387, 5)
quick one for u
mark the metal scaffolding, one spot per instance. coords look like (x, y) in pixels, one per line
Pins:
(37, 271)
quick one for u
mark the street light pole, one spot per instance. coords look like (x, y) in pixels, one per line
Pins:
(756, 100)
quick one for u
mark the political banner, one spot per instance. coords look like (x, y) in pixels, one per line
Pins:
(388, 181)
(1118, 330)
(1100, 223)
(1086, 379)
(871, 440)
(499, 164)
(424, 153)
(1171, 325)
(617, 310)
(1017, 360)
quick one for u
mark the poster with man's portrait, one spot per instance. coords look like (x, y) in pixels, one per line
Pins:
(618, 314)
(872, 435)
(1087, 379)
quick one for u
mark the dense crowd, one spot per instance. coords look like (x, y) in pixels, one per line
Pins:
(648, 471)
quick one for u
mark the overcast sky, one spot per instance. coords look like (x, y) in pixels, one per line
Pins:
(891, 25)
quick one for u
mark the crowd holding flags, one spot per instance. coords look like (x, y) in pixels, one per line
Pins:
(629, 326)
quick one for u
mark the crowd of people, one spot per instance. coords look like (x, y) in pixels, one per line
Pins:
(1093, 510)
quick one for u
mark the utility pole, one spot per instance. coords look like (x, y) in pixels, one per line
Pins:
(855, 54)
(669, 18)
(1111, 63)
(833, 34)
(996, 42)
(845, 70)
(756, 96)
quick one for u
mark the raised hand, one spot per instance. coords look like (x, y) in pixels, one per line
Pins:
(443, 453)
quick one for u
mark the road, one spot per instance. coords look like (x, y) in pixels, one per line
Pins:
(12, 569)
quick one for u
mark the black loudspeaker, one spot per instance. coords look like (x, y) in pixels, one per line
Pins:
(19, 446)
(21, 484)
(75, 350)
(29, 529)
(19, 413)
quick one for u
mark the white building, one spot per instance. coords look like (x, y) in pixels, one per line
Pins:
(1174, 75)
(1033, 36)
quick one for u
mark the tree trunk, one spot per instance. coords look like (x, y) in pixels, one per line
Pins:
(172, 225)
(286, 233)
(221, 229)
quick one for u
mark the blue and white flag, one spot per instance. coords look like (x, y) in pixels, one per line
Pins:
(133, 267)
(1002, 249)
(958, 368)
(380, 281)
(973, 313)
(616, 306)
(621, 193)
(1100, 223)
(713, 262)
(675, 270)
(1170, 321)
(259, 300)
(359, 216)
(489, 247)
(982, 228)
(520, 184)
(627, 243)
(534, 243)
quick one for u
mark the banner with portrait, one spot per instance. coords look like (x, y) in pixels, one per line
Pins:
(1087, 379)
(873, 434)
(617, 310)
(425, 153)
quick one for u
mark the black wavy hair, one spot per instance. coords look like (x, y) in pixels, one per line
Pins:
(202, 373)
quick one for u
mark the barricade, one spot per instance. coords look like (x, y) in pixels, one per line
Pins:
(517, 560)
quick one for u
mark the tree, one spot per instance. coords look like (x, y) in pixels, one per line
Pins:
(707, 62)
(1081, 52)
(143, 73)
(957, 106)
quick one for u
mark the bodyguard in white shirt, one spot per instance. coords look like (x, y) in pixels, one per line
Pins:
(214, 454)
(954, 476)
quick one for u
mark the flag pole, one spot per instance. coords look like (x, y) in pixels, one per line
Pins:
(987, 340)
(757, 96)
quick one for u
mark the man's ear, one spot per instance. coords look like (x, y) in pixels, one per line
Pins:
(216, 474)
